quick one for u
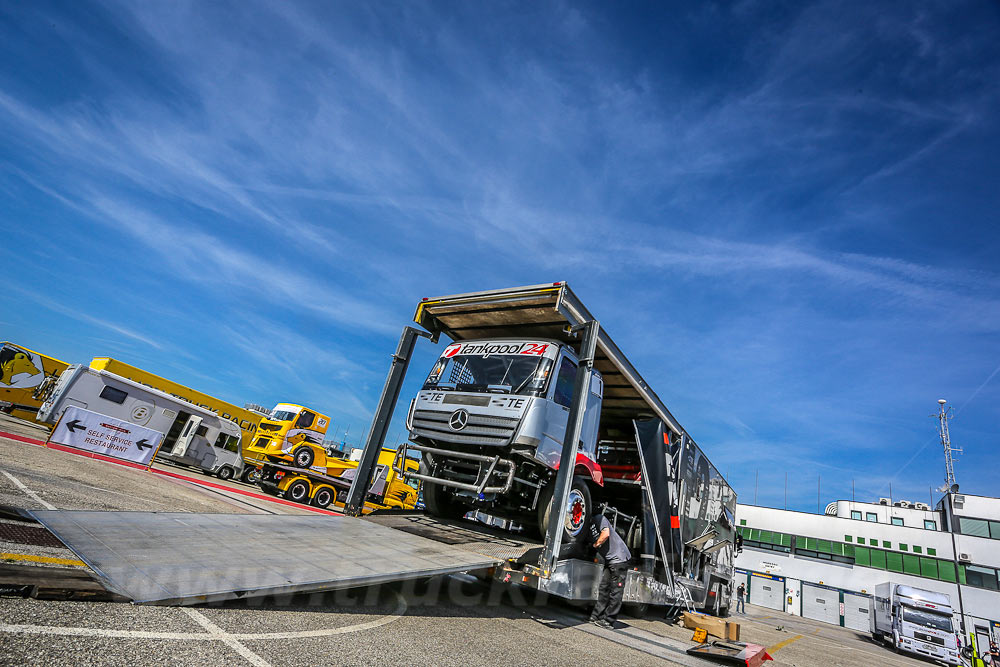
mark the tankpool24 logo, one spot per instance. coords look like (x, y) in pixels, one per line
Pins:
(488, 349)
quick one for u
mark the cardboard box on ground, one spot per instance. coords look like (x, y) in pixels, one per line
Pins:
(717, 627)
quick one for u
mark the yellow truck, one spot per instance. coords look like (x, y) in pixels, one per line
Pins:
(293, 434)
(322, 489)
(24, 377)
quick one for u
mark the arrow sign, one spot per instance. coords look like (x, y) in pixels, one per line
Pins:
(103, 434)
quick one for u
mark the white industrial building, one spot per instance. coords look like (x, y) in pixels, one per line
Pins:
(827, 566)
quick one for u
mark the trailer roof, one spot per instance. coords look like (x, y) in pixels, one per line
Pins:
(544, 311)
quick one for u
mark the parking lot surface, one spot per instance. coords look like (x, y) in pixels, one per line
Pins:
(454, 620)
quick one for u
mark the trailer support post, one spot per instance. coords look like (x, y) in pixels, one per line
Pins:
(355, 502)
(567, 460)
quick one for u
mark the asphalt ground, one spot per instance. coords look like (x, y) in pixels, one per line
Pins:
(455, 620)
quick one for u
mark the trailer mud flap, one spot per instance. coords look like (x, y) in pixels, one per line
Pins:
(181, 558)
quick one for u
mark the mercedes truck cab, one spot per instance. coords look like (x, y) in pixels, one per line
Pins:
(490, 421)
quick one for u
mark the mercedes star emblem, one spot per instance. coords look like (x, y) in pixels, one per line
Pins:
(459, 419)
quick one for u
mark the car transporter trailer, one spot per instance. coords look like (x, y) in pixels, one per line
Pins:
(184, 558)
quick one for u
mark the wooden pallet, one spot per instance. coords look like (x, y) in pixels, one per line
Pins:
(53, 583)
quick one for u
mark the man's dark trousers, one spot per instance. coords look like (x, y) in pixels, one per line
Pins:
(609, 597)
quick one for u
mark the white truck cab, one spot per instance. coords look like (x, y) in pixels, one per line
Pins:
(915, 621)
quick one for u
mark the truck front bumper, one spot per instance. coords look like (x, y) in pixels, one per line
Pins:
(487, 468)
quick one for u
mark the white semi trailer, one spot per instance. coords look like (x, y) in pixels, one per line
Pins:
(915, 621)
(193, 436)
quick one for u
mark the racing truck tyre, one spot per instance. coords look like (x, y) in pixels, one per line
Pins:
(303, 457)
(578, 513)
(438, 500)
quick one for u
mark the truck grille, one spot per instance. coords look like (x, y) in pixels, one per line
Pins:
(481, 429)
(928, 638)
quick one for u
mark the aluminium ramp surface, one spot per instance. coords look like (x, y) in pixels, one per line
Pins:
(182, 558)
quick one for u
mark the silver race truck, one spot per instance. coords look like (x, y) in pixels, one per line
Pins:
(490, 422)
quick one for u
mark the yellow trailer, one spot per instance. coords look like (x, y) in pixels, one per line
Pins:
(24, 376)
(322, 489)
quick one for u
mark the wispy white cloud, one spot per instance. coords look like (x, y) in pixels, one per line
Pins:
(81, 316)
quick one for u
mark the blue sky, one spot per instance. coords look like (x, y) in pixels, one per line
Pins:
(785, 213)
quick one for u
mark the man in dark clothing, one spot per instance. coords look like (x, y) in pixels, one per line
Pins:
(616, 558)
(741, 592)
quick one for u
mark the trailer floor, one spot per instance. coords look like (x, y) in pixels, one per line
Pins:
(468, 535)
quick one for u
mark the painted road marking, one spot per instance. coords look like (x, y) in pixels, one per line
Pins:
(31, 493)
(781, 645)
(42, 559)
(214, 634)
(220, 634)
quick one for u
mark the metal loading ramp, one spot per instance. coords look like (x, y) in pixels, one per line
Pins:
(467, 535)
(178, 558)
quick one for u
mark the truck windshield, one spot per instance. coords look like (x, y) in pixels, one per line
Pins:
(283, 416)
(508, 374)
(927, 619)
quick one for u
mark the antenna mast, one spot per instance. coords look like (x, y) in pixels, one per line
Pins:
(943, 415)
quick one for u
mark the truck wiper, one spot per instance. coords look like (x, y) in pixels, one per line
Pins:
(525, 381)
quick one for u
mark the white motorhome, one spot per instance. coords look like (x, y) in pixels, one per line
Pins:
(193, 436)
(914, 620)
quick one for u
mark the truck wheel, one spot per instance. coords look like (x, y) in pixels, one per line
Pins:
(225, 472)
(324, 497)
(578, 511)
(439, 501)
(303, 457)
(250, 475)
(298, 491)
